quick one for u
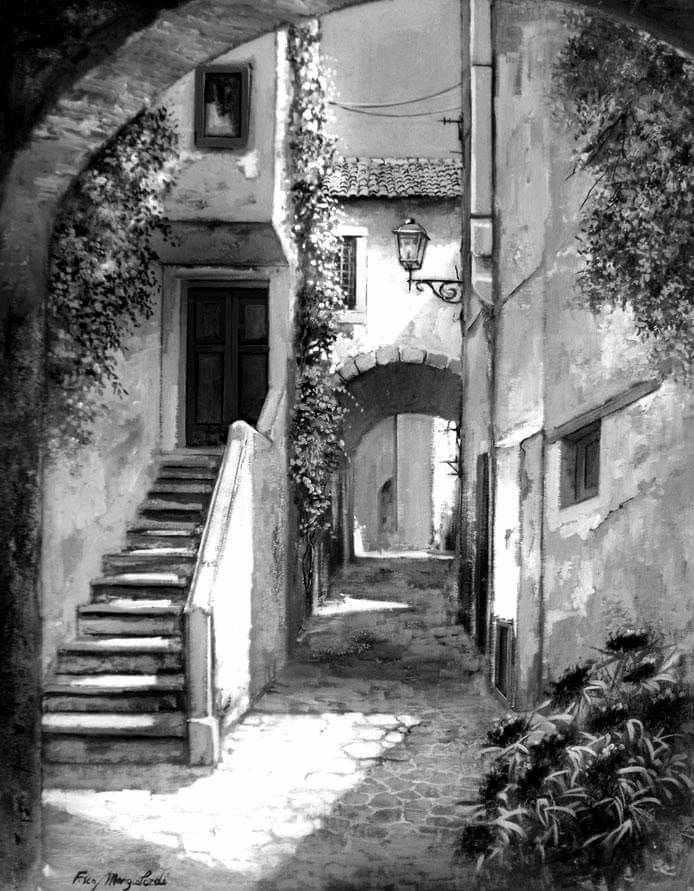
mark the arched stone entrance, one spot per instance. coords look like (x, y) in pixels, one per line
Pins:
(398, 380)
(386, 383)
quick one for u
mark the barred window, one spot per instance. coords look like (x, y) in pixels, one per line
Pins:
(348, 270)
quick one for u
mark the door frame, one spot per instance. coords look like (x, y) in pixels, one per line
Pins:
(176, 280)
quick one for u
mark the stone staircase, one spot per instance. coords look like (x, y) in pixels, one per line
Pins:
(118, 690)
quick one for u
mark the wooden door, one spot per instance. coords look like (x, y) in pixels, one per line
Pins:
(227, 362)
(481, 582)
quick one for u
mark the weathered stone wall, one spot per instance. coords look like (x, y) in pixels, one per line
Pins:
(623, 555)
(91, 494)
(400, 449)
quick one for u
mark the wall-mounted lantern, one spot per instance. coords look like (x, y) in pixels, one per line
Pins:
(411, 240)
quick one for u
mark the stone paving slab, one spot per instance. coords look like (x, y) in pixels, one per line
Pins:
(349, 774)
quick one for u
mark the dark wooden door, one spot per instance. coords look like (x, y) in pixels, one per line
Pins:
(481, 587)
(227, 364)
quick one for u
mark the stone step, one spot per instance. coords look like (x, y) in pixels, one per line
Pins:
(161, 538)
(61, 748)
(114, 693)
(208, 459)
(178, 560)
(145, 618)
(181, 487)
(140, 585)
(136, 703)
(121, 655)
(162, 509)
(169, 471)
(153, 524)
(114, 724)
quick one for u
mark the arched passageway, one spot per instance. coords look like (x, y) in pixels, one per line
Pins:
(402, 408)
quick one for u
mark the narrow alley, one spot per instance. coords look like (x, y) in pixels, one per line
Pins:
(354, 770)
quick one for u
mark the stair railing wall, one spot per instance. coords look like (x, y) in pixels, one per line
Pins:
(218, 612)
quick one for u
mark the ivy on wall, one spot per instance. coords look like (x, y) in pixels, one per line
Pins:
(629, 100)
(315, 434)
(104, 270)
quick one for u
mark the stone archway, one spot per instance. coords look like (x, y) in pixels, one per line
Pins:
(398, 380)
(381, 384)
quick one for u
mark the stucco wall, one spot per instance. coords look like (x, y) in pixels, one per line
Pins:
(399, 448)
(222, 184)
(395, 315)
(625, 554)
(91, 494)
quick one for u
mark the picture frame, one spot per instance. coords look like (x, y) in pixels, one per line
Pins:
(222, 106)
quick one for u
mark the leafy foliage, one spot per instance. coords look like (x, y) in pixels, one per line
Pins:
(103, 269)
(582, 789)
(316, 445)
(629, 100)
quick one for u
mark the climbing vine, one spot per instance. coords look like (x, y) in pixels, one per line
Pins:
(316, 445)
(629, 99)
(103, 270)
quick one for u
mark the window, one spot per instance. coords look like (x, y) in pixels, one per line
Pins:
(352, 272)
(222, 106)
(348, 270)
(580, 458)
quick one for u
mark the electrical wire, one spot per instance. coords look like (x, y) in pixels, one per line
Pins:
(385, 114)
(396, 104)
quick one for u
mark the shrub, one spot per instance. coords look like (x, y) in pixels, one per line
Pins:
(581, 789)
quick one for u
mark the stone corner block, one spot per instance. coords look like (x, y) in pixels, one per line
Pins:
(387, 354)
(414, 355)
(348, 370)
(481, 237)
(437, 360)
(455, 366)
(203, 742)
(365, 361)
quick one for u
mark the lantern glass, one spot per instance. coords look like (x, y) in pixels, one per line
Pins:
(411, 240)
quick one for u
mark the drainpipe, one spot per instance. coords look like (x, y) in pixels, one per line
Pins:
(464, 531)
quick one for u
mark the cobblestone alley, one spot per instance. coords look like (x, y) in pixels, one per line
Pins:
(348, 773)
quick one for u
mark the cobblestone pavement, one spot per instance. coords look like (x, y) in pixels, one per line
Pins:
(348, 773)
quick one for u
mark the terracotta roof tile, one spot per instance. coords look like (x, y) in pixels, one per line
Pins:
(396, 178)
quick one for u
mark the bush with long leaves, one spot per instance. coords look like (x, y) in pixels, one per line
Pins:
(582, 788)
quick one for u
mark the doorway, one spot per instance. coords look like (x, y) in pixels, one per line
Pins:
(481, 582)
(227, 359)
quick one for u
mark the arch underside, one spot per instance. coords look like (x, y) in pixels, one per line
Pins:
(399, 388)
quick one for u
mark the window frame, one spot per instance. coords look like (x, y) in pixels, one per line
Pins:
(574, 448)
(358, 313)
(222, 142)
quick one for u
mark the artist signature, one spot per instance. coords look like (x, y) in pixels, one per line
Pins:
(148, 879)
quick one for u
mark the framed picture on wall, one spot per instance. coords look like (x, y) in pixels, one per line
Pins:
(222, 99)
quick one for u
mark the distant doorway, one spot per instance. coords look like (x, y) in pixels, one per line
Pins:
(227, 360)
(481, 586)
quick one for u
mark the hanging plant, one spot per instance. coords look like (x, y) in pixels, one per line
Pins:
(104, 270)
(629, 100)
(316, 444)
